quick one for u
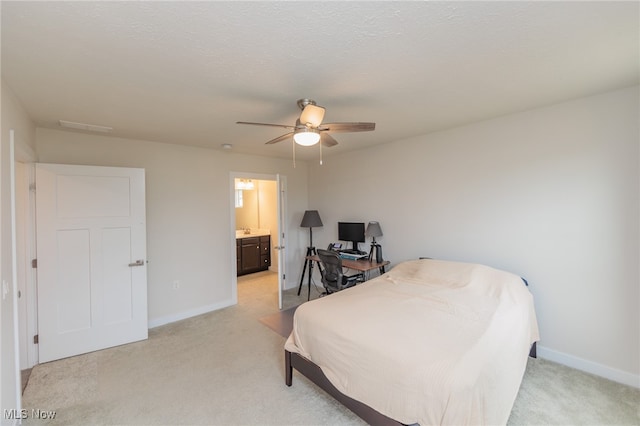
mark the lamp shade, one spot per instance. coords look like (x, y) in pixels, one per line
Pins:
(312, 114)
(311, 219)
(373, 230)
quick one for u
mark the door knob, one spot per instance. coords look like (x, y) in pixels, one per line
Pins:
(137, 263)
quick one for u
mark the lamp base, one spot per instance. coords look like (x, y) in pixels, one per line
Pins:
(375, 253)
(308, 263)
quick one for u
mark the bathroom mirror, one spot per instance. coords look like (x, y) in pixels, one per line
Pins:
(247, 216)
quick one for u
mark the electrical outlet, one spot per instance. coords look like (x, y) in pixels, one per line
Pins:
(176, 285)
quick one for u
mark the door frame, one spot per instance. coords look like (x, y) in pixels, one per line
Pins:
(26, 241)
(27, 279)
(13, 292)
(281, 201)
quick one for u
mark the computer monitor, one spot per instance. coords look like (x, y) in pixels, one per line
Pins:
(351, 231)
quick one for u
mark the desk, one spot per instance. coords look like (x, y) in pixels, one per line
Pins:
(363, 266)
(358, 265)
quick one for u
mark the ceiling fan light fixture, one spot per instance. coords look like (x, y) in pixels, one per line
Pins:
(306, 136)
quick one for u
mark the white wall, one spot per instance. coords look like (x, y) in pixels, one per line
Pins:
(551, 194)
(189, 235)
(13, 117)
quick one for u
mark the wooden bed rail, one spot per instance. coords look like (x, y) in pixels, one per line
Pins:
(315, 374)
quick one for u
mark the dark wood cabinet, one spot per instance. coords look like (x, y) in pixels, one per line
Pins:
(250, 254)
(253, 254)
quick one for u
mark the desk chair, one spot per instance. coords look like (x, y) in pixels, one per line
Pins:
(333, 278)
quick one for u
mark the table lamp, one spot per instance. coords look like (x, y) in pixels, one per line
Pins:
(373, 231)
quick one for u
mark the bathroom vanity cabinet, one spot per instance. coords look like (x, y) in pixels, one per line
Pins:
(253, 254)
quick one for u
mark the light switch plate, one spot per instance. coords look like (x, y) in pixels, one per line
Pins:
(5, 289)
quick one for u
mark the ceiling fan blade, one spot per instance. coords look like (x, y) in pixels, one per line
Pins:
(348, 127)
(266, 124)
(327, 140)
(312, 114)
(280, 138)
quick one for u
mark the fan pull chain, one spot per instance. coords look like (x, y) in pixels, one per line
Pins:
(293, 143)
(320, 143)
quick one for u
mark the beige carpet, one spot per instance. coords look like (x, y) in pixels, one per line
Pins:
(227, 368)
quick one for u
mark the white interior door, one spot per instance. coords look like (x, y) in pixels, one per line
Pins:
(281, 184)
(91, 251)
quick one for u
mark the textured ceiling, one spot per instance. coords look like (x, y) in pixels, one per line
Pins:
(185, 72)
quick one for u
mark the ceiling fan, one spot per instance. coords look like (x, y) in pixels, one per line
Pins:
(309, 129)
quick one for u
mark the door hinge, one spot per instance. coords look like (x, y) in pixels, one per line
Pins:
(36, 339)
(34, 263)
(32, 187)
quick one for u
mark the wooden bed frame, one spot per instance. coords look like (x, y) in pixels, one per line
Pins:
(314, 373)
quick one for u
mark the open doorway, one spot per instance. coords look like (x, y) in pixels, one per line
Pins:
(256, 225)
(256, 218)
(260, 213)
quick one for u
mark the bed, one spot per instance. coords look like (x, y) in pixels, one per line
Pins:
(429, 342)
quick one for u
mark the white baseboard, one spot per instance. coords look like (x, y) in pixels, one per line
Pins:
(591, 367)
(157, 322)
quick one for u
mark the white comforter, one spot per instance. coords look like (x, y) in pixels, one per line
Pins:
(430, 342)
